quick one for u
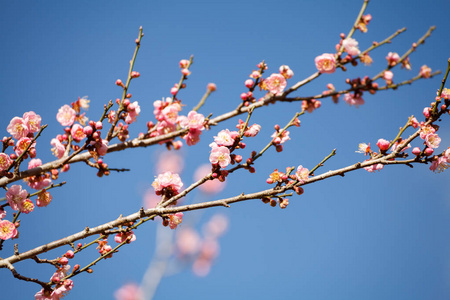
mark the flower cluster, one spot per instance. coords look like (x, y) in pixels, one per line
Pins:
(167, 184)
(62, 287)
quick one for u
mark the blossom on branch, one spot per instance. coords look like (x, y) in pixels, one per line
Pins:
(167, 182)
(17, 128)
(302, 174)
(275, 84)
(7, 230)
(15, 196)
(66, 115)
(351, 46)
(326, 63)
(220, 155)
(5, 161)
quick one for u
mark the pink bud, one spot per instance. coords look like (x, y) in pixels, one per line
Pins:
(249, 83)
(244, 96)
(428, 151)
(55, 279)
(87, 130)
(135, 74)
(126, 102)
(416, 151)
(79, 245)
(185, 72)
(383, 144)
(69, 254)
(99, 125)
(174, 91)
(119, 82)
(184, 63)
(238, 158)
(63, 260)
(211, 87)
(426, 112)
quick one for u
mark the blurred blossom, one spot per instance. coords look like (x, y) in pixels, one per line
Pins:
(210, 186)
(169, 161)
(129, 291)
(216, 226)
(187, 242)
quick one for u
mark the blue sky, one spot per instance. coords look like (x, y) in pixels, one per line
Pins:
(364, 236)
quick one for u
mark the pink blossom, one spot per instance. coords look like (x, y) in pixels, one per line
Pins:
(34, 163)
(102, 147)
(276, 84)
(7, 230)
(27, 206)
(133, 110)
(18, 128)
(33, 121)
(58, 148)
(15, 196)
(192, 137)
(302, 174)
(168, 181)
(220, 155)
(111, 116)
(5, 161)
(44, 199)
(399, 143)
(255, 74)
(426, 130)
(175, 220)
(279, 139)
(388, 75)
(286, 72)
(252, 130)
(311, 105)
(130, 291)
(383, 144)
(326, 63)
(164, 127)
(351, 46)
(393, 58)
(440, 164)
(225, 137)
(445, 94)
(352, 99)
(364, 148)
(123, 236)
(406, 64)
(66, 115)
(194, 120)
(21, 145)
(374, 167)
(211, 186)
(425, 71)
(170, 113)
(414, 123)
(77, 133)
(61, 290)
(432, 140)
